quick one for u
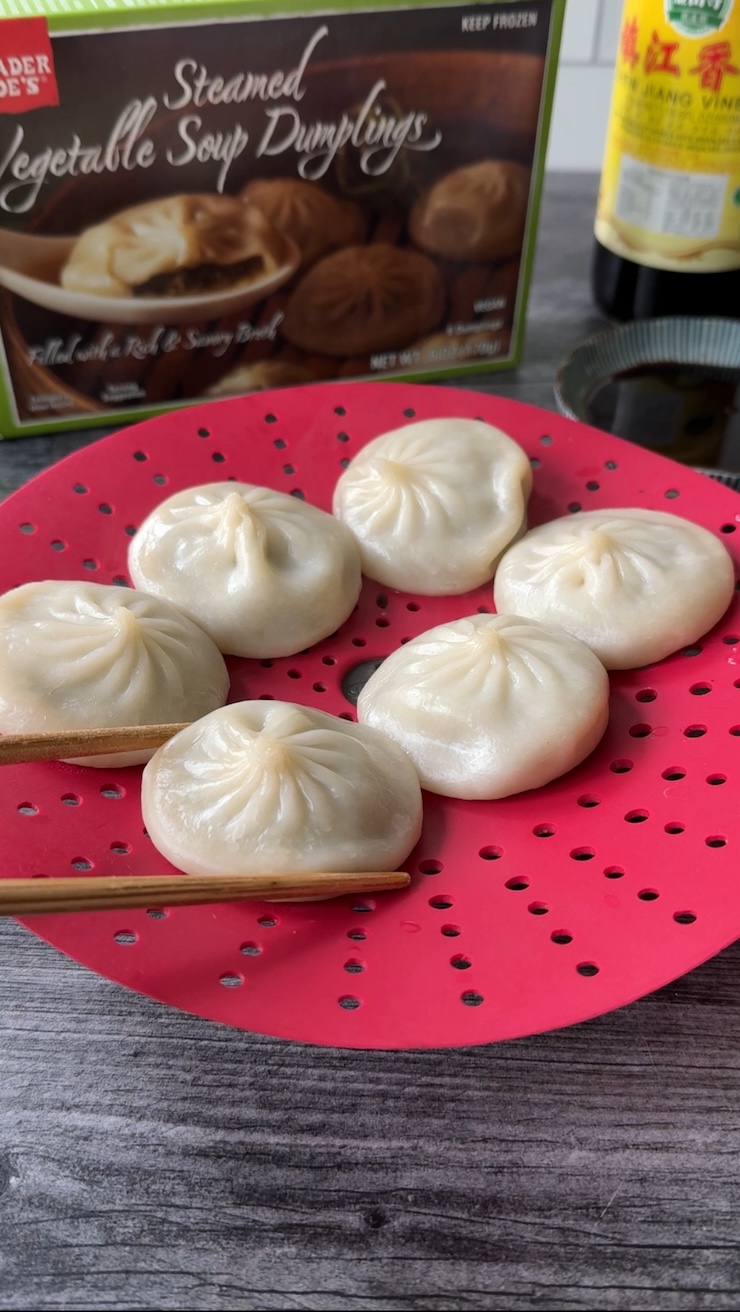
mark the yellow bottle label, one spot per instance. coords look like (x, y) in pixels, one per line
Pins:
(670, 186)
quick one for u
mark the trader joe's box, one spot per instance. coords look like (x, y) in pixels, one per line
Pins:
(204, 199)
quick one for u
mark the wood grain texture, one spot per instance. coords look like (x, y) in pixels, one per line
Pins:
(151, 1160)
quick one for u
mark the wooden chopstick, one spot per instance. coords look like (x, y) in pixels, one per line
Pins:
(22, 897)
(25, 897)
(17, 748)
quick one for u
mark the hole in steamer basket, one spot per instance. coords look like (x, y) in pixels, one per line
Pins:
(355, 679)
(471, 999)
(430, 867)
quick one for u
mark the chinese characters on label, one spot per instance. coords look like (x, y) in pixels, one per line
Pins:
(713, 62)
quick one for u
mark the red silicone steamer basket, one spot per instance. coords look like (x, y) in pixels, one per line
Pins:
(523, 915)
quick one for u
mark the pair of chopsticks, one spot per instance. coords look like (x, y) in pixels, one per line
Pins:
(21, 897)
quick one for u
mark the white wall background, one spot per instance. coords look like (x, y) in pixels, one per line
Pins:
(581, 108)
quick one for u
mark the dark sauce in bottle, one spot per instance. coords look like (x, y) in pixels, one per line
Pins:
(626, 290)
(688, 412)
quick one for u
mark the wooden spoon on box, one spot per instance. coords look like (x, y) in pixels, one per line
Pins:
(22, 897)
(31, 265)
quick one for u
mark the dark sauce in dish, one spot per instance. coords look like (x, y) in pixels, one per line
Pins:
(688, 412)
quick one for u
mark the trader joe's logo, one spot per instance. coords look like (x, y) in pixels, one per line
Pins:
(697, 17)
(27, 78)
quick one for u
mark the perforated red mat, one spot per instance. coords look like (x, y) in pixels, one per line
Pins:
(525, 914)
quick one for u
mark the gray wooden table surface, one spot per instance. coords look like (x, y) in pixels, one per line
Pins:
(151, 1160)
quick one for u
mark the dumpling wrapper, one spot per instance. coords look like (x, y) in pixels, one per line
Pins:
(489, 705)
(635, 585)
(275, 788)
(262, 572)
(434, 504)
(87, 656)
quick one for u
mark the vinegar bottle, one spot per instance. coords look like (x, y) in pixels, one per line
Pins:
(668, 216)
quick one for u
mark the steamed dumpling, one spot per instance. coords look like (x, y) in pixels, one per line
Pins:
(433, 505)
(477, 212)
(489, 705)
(88, 656)
(364, 299)
(272, 787)
(314, 219)
(175, 246)
(635, 585)
(262, 572)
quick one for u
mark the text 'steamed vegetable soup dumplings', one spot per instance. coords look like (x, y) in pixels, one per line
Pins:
(275, 788)
(634, 585)
(87, 656)
(490, 705)
(264, 573)
(434, 504)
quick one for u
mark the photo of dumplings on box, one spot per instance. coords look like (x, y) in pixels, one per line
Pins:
(200, 258)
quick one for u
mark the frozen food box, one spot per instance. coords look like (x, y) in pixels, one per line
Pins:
(199, 200)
